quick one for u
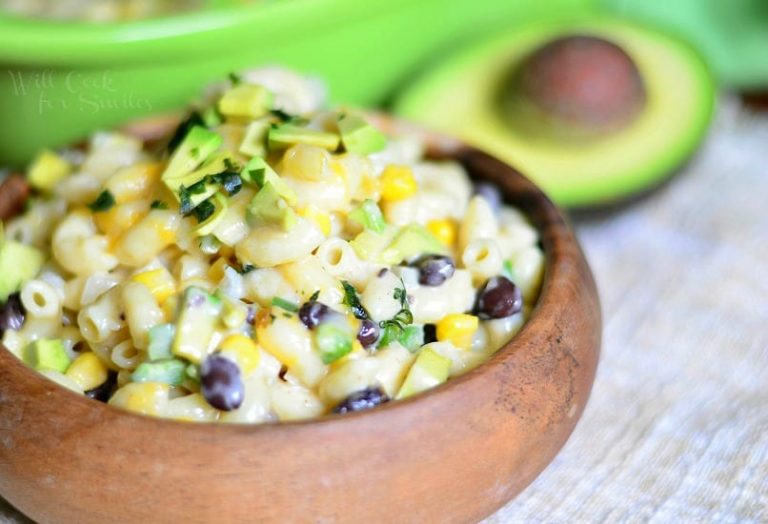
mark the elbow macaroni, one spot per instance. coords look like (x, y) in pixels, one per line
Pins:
(311, 304)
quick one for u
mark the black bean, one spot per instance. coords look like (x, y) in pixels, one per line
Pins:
(312, 313)
(490, 193)
(365, 399)
(103, 392)
(368, 334)
(221, 384)
(12, 314)
(430, 333)
(498, 298)
(434, 270)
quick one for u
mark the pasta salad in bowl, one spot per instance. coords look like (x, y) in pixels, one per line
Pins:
(274, 261)
(272, 270)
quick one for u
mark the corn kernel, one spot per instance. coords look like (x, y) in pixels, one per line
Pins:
(164, 232)
(47, 170)
(320, 218)
(458, 329)
(243, 351)
(147, 398)
(266, 338)
(159, 282)
(444, 230)
(233, 313)
(88, 371)
(370, 187)
(397, 183)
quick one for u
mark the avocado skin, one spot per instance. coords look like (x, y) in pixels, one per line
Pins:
(460, 97)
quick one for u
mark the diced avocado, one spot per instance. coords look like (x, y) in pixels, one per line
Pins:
(258, 171)
(333, 342)
(198, 317)
(247, 101)
(211, 117)
(268, 207)
(255, 140)
(429, 370)
(369, 216)
(47, 170)
(369, 245)
(193, 372)
(390, 334)
(412, 338)
(160, 341)
(221, 205)
(19, 263)
(412, 240)
(171, 371)
(234, 313)
(394, 245)
(47, 354)
(197, 187)
(282, 136)
(358, 136)
(199, 144)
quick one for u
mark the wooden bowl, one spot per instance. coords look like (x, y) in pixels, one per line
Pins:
(454, 454)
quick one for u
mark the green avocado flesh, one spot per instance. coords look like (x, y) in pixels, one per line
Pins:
(460, 97)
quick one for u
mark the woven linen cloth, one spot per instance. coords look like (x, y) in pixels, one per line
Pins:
(676, 429)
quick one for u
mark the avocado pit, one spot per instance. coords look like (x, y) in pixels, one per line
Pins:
(574, 87)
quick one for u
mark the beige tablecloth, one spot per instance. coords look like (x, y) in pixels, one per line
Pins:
(677, 427)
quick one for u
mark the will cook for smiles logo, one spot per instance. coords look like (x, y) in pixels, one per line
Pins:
(75, 91)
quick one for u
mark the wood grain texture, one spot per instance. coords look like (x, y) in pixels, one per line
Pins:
(455, 454)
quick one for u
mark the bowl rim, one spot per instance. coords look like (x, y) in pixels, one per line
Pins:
(34, 41)
(547, 218)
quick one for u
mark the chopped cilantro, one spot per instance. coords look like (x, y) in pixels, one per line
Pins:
(204, 211)
(229, 180)
(198, 188)
(403, 318)
(194, 119)
(244, 270)
(257, 176)
(352, 301)
(287, 305)
(186, 201)
(158, 204)
(235, 79)
(509, 271)
(282, 115)
(314, 296)
(103, 202)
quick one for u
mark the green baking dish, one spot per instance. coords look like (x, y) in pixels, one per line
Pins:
(60, 81)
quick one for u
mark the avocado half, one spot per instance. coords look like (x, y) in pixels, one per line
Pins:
(462, 97)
